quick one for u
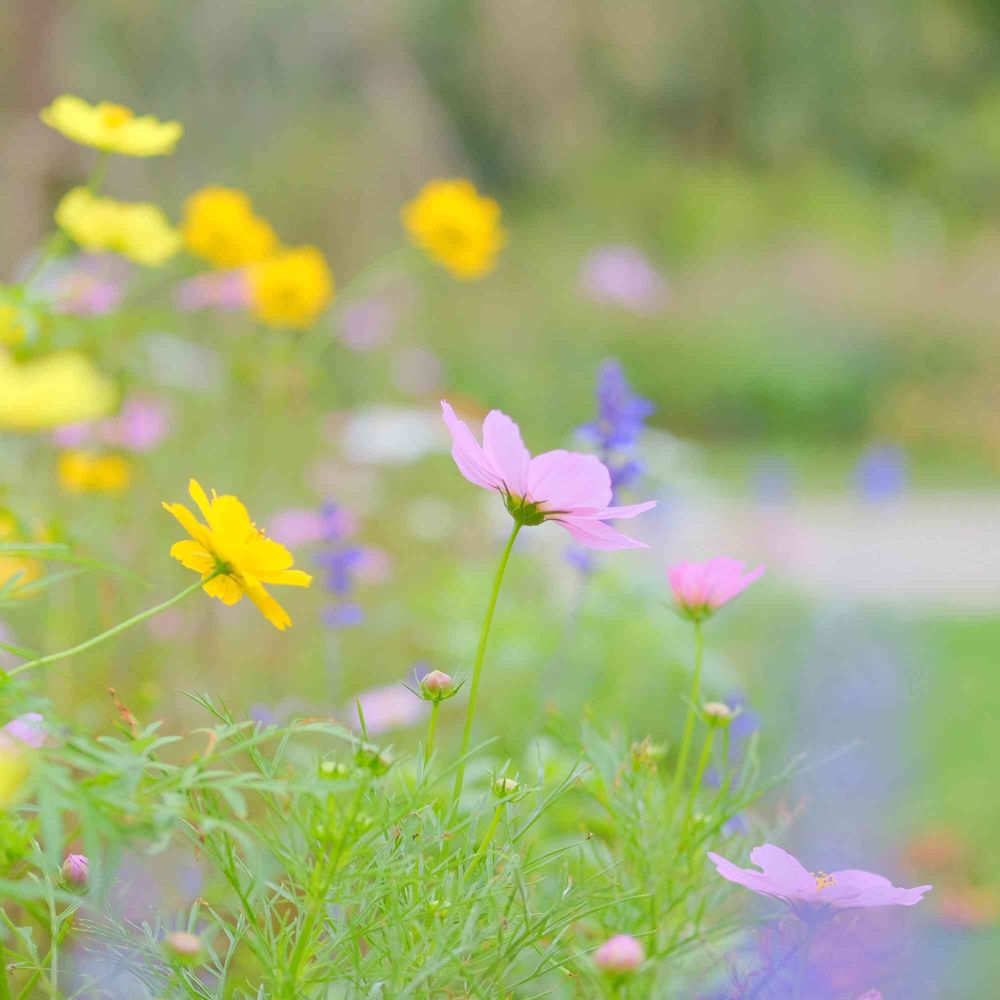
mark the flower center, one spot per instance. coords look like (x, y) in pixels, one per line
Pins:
(823, 881)
(523, 510)
(115, 115)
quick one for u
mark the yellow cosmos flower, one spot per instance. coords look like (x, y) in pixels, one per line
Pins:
(12, 330)
(291, 288)
(14, 771)
(456, 226)
(136, 230)
(232, 555)
(111, 127)
(58, 389)
(87, 472)
(220, 227)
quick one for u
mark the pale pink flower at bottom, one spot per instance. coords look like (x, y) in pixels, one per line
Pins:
(567, 487)
(700, 589)
(814, 895)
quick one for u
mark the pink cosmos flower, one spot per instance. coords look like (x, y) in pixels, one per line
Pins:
(814, 895)
(28, 729)
(619, 954)
(702, 588)
(567, 487)
(76, 869)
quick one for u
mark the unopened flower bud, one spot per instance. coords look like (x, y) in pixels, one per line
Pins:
(505, 786)
(184, 946)
(436, 685)
(717, 714)
(75, 869)
(620, 954)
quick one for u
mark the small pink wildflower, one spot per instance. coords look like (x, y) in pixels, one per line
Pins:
(622, 953)
(700, 589)
(814, 895)
(226, 290)
(567, 487)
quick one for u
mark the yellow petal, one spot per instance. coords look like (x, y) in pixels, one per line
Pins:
(193, 556)
(269, 607)
(189, 523)
(264, 555)
(198, 496)
(286, 578)
(225, 588)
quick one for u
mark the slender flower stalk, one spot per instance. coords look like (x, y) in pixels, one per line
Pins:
(58, 239)
(477, 668)
(97, 640)
(706, 755)
(485, 843)
(685, 745)
(431, 729)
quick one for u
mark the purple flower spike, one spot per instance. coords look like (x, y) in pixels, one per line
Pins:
(816, 895)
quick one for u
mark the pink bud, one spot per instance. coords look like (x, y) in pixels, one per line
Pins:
(437, 682)
(75, 869)
(183, 945)
(622, 953)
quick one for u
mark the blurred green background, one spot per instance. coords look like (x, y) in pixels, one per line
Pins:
(817, 186)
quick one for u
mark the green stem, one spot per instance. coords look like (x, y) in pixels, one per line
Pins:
(477, 668)
(703, 760)
(685, 746)
(4, 987)
(487, 838)
(431, 728)
(112, 632)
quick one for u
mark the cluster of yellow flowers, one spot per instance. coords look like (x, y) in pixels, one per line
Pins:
(289, 287)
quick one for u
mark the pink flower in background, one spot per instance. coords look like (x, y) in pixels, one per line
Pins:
(28, 729)
(814, 895)
(619, 954)
(567, 487)
(140, 427)
(86, 285)
(623, 276)
(308, 525)
(142, 424)
(390, 707)
(700, 589)
(226, 290)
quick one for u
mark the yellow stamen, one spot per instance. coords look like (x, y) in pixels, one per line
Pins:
(114, 115)
(823, 881)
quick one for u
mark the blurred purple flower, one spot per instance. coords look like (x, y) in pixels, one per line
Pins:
(367, 324)
(140, 426)
(86, 285)
(881, 473)
(226, 290)
(621, 414)
(623, 276)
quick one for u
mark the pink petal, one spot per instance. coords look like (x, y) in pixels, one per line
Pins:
(745, 877)
(567, 480)
(468, 455)
(611, 513)
(505, 451)
(597, 535)
(783, 869)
